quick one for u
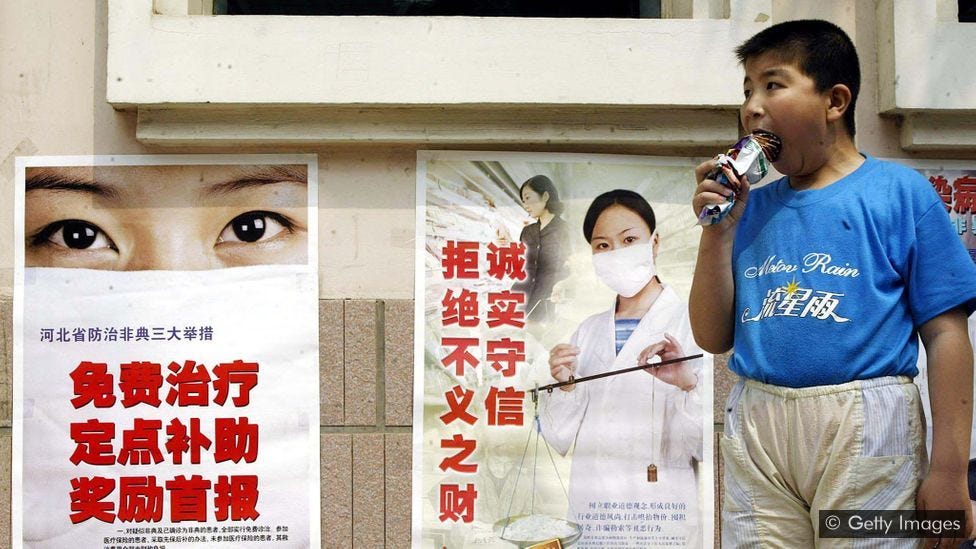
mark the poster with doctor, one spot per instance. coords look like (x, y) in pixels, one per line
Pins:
(166, 352)
(543, 269)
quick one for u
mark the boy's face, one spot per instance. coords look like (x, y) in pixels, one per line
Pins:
(780, 98)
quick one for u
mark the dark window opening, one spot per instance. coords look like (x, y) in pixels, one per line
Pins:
(475, 8)
(967, 11)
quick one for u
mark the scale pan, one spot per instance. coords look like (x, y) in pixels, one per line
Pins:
(564, 541)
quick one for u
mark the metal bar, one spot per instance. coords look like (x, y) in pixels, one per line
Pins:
(571, 381)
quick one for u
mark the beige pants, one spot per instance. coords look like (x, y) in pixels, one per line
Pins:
(788, 453)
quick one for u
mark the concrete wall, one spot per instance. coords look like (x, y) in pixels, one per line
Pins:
(53, 72)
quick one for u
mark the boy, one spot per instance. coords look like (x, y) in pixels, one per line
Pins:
(822, 281)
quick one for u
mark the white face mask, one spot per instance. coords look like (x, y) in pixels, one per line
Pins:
(627, 270)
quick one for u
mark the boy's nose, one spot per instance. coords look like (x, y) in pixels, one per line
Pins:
(752, 108)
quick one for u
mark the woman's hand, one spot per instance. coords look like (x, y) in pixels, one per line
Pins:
(678, 374)
(562, 363)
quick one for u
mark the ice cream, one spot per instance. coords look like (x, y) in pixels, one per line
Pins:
(749, 158)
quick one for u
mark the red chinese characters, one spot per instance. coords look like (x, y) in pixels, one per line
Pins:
(455, 462)
(460, 355)
(143, 442)
(507, 261)
(475, 328)
(232, 439)
(959, 196)
(943, 189)
(183, 439)
(460, 309)
(458, 400)
(504, 309)
(140, 500)
(93, 385)
(505, 355)
(505, 407)
(87, 495)
(457, 503)
(460, 260)
(144, 499)
(140, 382)
(964, 194)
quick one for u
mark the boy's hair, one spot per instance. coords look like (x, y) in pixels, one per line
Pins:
(820, 49)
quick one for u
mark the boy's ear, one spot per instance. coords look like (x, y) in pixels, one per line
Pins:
(838, 100)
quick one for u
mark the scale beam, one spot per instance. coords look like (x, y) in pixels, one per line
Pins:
(573, 380)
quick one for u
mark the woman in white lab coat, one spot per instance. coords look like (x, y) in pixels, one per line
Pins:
(638, 435)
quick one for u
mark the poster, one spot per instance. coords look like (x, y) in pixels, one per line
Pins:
(955, 183)
(166, 352)
(506, 277)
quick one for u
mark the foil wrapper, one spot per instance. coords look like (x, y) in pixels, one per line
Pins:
(748, 160)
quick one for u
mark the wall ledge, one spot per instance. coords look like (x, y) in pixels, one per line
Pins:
(197, 125)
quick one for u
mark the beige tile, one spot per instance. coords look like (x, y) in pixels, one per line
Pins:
(719, 487)
(6, 360)
(368, 491)
(5, 477)
(331, 383)
(398, 472)
(336, 512)
(724, 380)
(399, 361)
(360, 362)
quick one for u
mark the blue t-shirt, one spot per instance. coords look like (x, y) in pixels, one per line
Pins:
(831, 284)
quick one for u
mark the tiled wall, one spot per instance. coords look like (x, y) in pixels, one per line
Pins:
(6, 366)
(366, 391)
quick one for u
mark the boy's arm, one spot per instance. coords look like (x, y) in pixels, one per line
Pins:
(950, 372)
(712, 299)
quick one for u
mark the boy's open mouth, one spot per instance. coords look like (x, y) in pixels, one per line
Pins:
(770, 142)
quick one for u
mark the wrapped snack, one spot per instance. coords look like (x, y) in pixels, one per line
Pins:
(749, 158)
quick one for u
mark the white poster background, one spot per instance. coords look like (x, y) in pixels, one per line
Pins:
(459, 198)
(266, 314)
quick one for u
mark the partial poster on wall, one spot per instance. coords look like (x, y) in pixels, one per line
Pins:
(535, 270)
(166, 352)
(955, 183)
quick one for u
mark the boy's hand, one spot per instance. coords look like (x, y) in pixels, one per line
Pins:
(562, 363)
(710, 192)
(946, 491)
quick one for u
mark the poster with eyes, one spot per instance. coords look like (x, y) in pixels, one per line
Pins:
(546, 284)
(166, 352)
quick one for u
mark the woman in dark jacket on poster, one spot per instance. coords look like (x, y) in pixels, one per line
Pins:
(547, 246)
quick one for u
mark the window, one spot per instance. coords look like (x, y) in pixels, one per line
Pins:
(967, 11)
(478, 8)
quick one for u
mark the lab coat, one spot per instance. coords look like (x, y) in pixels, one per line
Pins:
(610, 420)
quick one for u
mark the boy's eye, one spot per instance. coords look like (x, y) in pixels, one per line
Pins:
(773, 85)
(74, 234)
(746, 93)
(253, 227)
